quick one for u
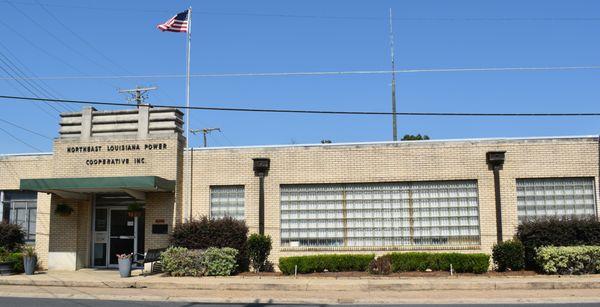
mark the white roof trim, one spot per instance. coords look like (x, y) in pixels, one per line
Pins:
(397, 142)
(27, 154)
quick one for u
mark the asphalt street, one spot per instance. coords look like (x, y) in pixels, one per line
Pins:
(25, 302)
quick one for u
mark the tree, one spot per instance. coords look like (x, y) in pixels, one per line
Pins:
(418, 137)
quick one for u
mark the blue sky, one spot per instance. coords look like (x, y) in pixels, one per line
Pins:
(261, 36)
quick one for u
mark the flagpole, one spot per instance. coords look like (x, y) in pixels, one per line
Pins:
(187, 103)
(187, 88)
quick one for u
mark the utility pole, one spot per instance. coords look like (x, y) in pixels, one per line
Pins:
(204, 131)
(394, 129)
(138, 94)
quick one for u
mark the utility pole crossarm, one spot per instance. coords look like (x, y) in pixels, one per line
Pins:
(204, 132)
(138, 94)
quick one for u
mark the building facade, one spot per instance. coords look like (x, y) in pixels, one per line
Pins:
(446, 195)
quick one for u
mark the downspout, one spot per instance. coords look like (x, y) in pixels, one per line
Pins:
(261, 204)
(495, 161)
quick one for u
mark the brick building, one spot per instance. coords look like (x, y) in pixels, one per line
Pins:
(439, 195)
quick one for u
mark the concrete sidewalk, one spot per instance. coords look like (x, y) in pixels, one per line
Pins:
(111, 279)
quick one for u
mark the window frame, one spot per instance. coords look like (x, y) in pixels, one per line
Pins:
(12, 214)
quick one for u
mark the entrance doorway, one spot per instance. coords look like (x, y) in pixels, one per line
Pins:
(115, 231)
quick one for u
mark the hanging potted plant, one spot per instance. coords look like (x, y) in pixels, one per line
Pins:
(29, 259)
(134, 210)
(63, 210)
(124, 264)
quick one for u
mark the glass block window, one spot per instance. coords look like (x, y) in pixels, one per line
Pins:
(555, 197)
(227, 201)
(444, 213)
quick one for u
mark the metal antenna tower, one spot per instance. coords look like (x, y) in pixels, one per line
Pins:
(394, 129)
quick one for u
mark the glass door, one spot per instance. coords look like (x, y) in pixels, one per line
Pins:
(122, 234)
(100, 236)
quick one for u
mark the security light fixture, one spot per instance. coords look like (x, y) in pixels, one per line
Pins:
(261, 166)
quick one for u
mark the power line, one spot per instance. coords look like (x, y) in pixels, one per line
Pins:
(299, 16)
(43, 85)
(325, 112)
(25, 129)
(79, 37)
(26, 87)
(31, 83)
(318, 73)
(58, 39)
(19, 140)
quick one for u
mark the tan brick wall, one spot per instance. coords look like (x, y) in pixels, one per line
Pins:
(42, 231)
(386, 162)
(158, 206)
(14, 168)
(71, 233)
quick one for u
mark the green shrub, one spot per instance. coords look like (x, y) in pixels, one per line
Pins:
(509, 255)
(461, 263)
(17, 262)
(220, 261)
(381, 265)
(180, 261)
(556, 232)
(205, 233)
(569, 259)
(320, 263)
(14, 258)
(259, 248)
(12, 236)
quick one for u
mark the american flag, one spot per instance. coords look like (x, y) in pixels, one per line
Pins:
(179, 23)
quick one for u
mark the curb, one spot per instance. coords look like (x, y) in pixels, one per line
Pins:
(307, 285)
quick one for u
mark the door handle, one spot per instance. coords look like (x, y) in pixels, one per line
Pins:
(122, 237)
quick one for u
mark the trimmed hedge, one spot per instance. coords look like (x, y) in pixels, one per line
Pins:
(556, 232)
(569, 259)
(509, 255)
(180, 261)
(461, 263)
(320, 263)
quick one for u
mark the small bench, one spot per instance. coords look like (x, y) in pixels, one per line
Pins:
(152, 256)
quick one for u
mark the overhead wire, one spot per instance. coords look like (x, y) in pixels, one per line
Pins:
(43, 50)
(308, 16)
(42, 84)
(25, 129)
(26, 87)
(19, 140)
(58, 39)
(36, 105)
(299, 111)
(31, 83)
(324, 73)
